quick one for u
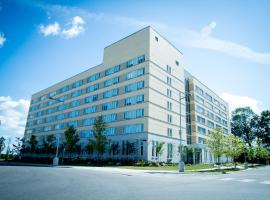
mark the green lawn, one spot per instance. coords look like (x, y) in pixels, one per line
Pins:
(170, 168)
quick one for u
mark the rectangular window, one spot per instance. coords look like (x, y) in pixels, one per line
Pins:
(31, 116)
(201, 130)
(77, 84)
(49, 119)
(112, 70)
(201, 140)
(110, 118)
(64, 89)
(199, 99)
(63, 98)
(89, 110)
(59, 126)
(134, 86)
(112, 81)
(225, 130)
(31, 123)
(86, 133)
(62, 107)
(60, 116)
(76, 93)
(91, 98)
(109, 105)
(210, 124)
(75, 103)
(224, 122)
(200, 120)
(223, 107)
(169, 80)
(169, 105)
(218, 119)
(134, 100)
(169, 118)
(73, 124)
(52, 94)
(198, 90)
(74, 113)
(43, 97)
(199, 109)
(110, 93)
(92, 88)
(110, 131)
(135, 128)
(169, 93)
(39, 121)
(135, 73)
(93, 77)
(133, 114)
(210, 115)
(208, 97)
(50, 110)
(169, 69)
(47, 128)
(208, 105)
(89, 122)
(169, 150)
(135, 61)
(216, 102)
(169, 132)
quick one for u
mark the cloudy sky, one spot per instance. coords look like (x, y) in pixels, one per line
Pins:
(225, 45)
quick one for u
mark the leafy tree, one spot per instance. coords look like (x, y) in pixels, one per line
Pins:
(261, 151)
(100, 142)
(159, 149)
(234, 147)
(216, 143)
(72, 138)
(2, 144)
(18, 145)
(48, 142)
(242, 124)
(33, 143)
(262, 127)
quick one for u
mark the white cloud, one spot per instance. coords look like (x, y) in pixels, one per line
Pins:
(51, 29)
(236, 101)
(13, 115)
(2, 39)
(204, 39)
(76, 28)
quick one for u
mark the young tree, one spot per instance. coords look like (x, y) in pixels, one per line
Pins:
(159, 149)
(48, 143)
(242, 124)
(234, 147)
(262, 127)
(2, 144)
(33, 143)
(18, 145)
(216, 143)
(261, 151)
(72, 138)
(100, 141)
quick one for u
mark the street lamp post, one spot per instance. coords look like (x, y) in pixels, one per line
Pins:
(181, 163)
(56, 159)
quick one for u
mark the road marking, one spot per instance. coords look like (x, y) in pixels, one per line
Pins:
(265, 182)
(247, 180)
(227, 179)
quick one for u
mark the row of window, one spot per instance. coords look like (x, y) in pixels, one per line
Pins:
(210, 124)
(209, 98)
(202, 130)
(92, 109)
(210, 115)
(128, 129)
(91, 78)
(108, 94)
(210, 106)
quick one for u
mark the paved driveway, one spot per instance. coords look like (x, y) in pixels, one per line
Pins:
(40, 183)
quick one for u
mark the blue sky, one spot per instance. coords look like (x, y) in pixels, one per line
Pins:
(225, 45)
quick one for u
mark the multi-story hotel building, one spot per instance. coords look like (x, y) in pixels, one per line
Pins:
(139, 90)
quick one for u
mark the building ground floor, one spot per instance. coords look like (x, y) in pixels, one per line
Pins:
(143, 146)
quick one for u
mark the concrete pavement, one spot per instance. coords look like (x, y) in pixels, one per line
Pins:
(40, 183)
